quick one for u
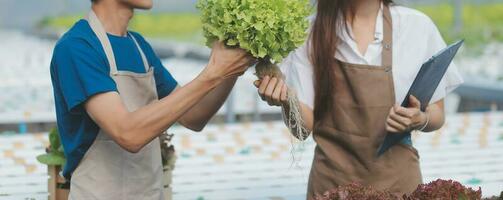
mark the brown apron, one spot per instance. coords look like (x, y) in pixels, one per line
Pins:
(348, 137)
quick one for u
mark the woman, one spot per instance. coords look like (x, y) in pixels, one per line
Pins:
(359, 62)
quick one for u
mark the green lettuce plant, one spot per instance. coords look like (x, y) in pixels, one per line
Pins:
(54, 153)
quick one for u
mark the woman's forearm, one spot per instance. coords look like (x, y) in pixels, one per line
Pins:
(435, 117)
(307, 118)
(404, 120)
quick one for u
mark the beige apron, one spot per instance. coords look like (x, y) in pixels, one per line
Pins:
(107, 171)
(348, 137)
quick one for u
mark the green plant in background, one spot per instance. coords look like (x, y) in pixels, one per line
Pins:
(265, 28)
(168, 154)
(482, 23)
(54, 154)
(175, 26)
(59, 22)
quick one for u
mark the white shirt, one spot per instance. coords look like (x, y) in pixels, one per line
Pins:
(415, 40)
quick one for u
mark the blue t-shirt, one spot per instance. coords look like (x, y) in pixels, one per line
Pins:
(79, 70)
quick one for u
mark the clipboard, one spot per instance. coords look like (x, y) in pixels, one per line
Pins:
(423, 87)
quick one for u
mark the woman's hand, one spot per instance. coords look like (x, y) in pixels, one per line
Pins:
(275, 92)
(272, 90)
(402, 119)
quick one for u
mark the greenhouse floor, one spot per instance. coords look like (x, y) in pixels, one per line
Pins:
(255, 161)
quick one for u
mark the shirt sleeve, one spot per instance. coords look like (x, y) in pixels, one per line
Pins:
(81, 72)
(165, 82)
(298, 73)
(452, 78)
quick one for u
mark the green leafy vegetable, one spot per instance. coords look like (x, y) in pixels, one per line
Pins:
(55, 154)
(266, 28)
(51, 159)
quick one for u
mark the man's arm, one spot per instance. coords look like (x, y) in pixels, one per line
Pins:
(199, 115)
(133, 130)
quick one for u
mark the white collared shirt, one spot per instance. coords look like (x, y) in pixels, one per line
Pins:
(415, 40)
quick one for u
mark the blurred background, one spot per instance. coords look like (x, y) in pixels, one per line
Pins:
(246, 153)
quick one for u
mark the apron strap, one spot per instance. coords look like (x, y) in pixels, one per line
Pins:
(100, 32)
(143, 57)
(387, 52)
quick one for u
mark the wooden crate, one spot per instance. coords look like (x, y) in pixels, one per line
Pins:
(167, 180)
(57, 187)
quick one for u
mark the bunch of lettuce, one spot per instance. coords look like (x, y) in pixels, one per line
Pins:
(265, 28)
(268, 29)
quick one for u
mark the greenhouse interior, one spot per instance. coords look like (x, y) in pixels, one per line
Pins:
(246, 151)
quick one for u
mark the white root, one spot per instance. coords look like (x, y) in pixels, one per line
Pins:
(293, 118)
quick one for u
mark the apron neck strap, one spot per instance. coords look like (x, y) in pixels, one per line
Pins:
(387, 52)
(143, 57)
(100, 32)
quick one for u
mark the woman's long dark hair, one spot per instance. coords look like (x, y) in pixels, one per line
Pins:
(330, 16)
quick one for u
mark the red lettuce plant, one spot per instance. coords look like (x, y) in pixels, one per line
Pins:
(436, 190)
(445, 189)
(355, 191)
(495, 197)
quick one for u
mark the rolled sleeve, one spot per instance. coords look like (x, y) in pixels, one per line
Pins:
(165, 83)
(298, 73)
(81, 73)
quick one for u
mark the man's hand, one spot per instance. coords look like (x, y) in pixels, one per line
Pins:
(227, 62)
(402, 119)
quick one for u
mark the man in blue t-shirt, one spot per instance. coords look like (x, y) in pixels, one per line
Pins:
(114, 98)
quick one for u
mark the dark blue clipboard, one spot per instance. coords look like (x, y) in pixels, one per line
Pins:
(423, 87)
